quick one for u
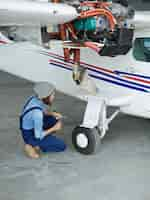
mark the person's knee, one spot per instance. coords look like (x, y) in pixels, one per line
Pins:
(54, 148)
(49, 122)
(63, 147)
(51, 143)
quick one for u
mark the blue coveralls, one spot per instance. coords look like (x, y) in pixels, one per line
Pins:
(33, 122)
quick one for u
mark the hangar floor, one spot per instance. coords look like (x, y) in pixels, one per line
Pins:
(119, 171)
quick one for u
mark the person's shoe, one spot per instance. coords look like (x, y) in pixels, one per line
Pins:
(31, 152)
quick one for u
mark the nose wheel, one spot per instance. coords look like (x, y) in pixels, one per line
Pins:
(87, 137)
(86, 140)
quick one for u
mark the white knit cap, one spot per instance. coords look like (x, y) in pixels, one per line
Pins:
(43, 89)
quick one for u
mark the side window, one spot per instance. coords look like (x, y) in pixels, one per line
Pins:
(141, 49)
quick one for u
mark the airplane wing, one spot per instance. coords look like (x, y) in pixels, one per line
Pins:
(29, 13)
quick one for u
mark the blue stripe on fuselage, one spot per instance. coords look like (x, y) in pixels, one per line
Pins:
(106, 80)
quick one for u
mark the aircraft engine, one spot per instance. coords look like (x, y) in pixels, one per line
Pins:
(106, 27)
(105, 23)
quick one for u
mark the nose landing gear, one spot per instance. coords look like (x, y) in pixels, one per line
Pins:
(87, 137)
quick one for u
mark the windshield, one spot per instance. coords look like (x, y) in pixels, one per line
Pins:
(141, 49)
(147, 43)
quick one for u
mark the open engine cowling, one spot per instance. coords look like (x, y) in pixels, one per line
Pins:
(105, 23)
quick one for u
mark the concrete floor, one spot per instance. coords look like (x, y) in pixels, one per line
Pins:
(119, 171)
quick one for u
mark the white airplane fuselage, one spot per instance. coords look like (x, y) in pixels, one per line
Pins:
(116, 78)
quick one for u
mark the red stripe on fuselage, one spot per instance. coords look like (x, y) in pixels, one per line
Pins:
(83, 63)
(2, 42)
(137, 79)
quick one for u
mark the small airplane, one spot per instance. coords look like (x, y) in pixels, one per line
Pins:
(112, 70)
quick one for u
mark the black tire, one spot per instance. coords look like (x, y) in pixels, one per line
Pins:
(90, 134)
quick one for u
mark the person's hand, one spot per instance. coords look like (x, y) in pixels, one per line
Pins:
(57, 115)
(58, 126)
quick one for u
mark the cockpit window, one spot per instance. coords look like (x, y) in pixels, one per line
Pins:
(141, 49)
(147, 43)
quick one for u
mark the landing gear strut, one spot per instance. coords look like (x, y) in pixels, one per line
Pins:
(87, 137)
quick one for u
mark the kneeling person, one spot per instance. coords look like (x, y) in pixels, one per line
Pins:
(37, 124)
